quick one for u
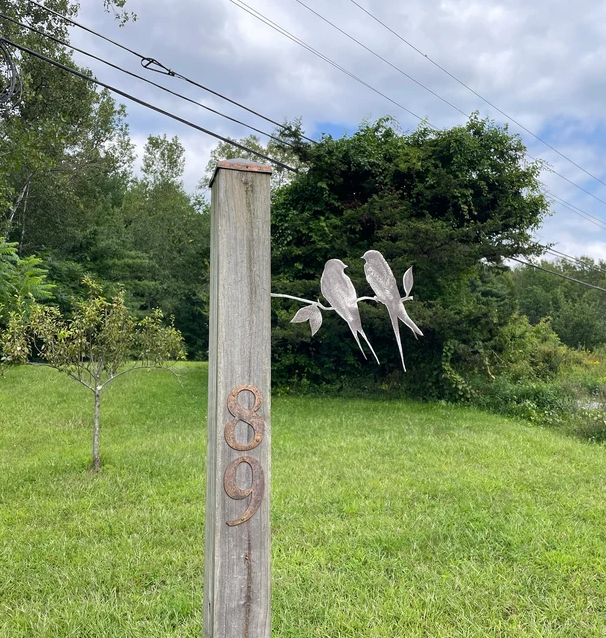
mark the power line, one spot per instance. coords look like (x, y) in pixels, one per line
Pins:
(572, 259)
(231, 142)
(393, 66)
(577, 211)
(128, 96)
(558, 274)
(149, 63)
(259, 16)
(456, 108)
(456, 79)
(140, 77)
(551, 170)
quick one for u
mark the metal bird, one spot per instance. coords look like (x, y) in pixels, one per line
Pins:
(339, 291)
(382, 281)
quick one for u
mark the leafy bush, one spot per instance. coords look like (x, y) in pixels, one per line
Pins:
(540, 402)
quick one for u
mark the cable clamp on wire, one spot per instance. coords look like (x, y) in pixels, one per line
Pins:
(149, 63)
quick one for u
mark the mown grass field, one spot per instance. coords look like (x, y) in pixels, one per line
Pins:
(389, 518)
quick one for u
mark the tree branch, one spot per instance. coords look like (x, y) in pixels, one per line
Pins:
(144, 367)
(58, 369)
(24, 190)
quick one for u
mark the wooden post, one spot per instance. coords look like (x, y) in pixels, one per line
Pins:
(237, 574)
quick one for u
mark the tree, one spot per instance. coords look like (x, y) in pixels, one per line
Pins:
(100, 343)
(172, 231)
(284, 151)
(577, 312)
(60, 143)
(451, 203)
(22, 280)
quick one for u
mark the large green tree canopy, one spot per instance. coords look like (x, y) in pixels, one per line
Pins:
(65, 154)
(451, 203)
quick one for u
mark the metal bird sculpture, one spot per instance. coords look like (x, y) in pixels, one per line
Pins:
(382, 281)
(339, 291)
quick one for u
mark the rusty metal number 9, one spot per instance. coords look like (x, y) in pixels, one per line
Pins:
(256, 422)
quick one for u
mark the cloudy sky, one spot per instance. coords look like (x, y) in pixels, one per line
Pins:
(542, 63)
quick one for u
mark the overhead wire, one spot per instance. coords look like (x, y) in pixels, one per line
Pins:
(4, 41)
(491, 104)
(456, 108)
(143, 103)
(558, 274)
(149, 63)
(568, 205)
(259, 16)
(570, 258)
(578, 211)
(140, 77)
(377, 55)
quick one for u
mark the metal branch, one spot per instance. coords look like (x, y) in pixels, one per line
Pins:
(307, 301)
(319, 305)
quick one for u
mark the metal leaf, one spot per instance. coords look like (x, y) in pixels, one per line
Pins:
(408, 281)
(309, 313)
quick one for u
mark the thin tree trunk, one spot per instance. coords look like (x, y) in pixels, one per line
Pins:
(23, 217)
(15, 206)
(96, 459)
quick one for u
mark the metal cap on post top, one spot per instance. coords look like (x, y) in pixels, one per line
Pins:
(240, 164)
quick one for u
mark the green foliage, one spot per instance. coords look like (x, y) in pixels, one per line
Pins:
(589, 424)
(523, 351)
(64, 148)
(578, 313)
(283, 152)
(101, 340)
(98, 343)
(22, 280)
(450, 203)
(540, 402)
(161, 223)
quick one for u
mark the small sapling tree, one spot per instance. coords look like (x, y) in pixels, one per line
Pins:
(98, 344)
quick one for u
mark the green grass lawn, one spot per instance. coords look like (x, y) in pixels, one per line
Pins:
(389, 518)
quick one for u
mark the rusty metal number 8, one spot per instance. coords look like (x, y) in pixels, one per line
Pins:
(256, 422)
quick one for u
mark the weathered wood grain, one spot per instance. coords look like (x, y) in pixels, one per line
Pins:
(237, 570)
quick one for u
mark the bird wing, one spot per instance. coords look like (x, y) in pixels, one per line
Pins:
(339, 291)
(381, 279)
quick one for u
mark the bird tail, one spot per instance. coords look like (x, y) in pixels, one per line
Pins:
(368, 344)
(355, 334)
(407, 321)
(396, 331)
